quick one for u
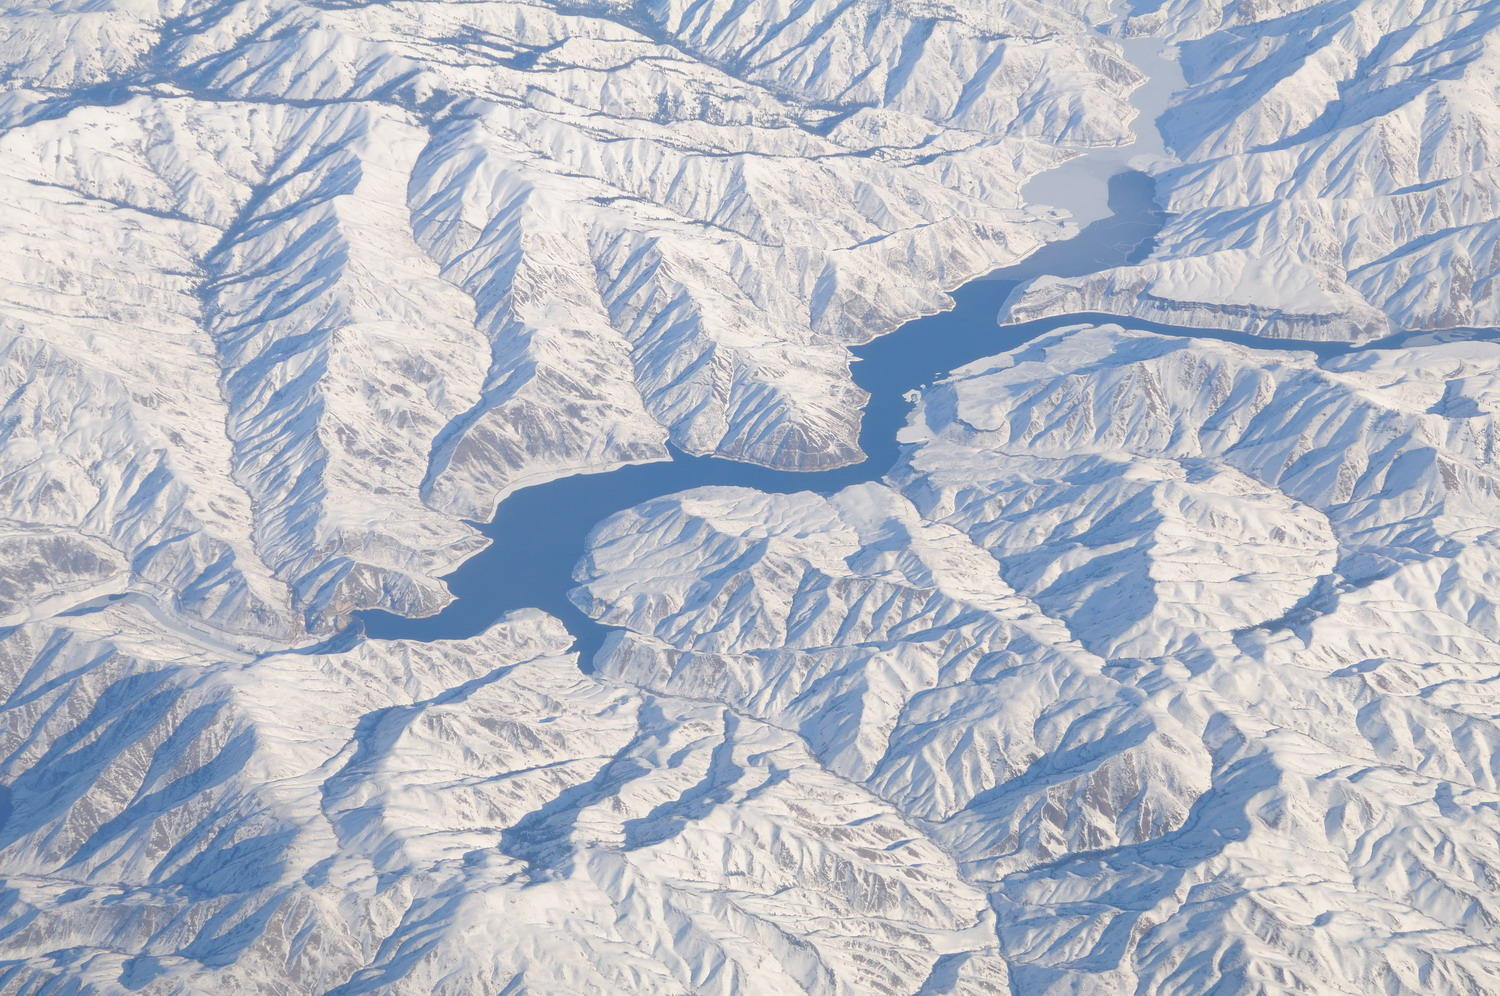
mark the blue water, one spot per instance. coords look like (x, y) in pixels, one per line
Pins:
(539, 533)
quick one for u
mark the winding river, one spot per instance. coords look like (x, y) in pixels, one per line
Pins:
(539, 533)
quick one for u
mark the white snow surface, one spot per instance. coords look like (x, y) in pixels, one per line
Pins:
(292, 289)
(1338, 175)
(460, 817)
(1155, 665)
(1183, 650)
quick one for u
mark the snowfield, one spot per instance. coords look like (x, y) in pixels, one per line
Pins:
(1183, 651)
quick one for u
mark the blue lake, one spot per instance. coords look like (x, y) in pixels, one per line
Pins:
(539, 533)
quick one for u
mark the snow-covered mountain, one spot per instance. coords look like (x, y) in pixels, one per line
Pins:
(471, 817)
(1183, 651)
(1155, 664)
(329, 278)
(1339, 175)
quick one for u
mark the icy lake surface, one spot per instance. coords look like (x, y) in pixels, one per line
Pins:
(539, 533)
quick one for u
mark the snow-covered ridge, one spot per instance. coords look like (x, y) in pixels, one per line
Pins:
(1180, 648)
(444, 817)
(296, 287)
(1338, 174)
(1154, 664)
(347, 274)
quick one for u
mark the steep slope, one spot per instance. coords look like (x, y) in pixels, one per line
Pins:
(1155, 664)
(422, 818)
(1337, 179)
(1176, 646)
(354, 272)
(295, 288)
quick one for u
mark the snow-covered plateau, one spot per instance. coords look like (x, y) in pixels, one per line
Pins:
(1154, 663)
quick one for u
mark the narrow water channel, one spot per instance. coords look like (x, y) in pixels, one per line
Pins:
(539, 533)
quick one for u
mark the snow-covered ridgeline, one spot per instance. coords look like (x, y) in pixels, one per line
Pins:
(462, 817)
(344, 275)
(1337, 178)
(1154, 665)
(1183, 650)
(296, 287)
